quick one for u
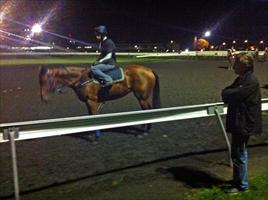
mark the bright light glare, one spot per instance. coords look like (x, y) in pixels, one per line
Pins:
(207, 33)
(28, 37)
(37, 28)
(41, 48)
(1, 16)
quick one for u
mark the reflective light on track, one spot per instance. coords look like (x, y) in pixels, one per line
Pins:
(11, 90)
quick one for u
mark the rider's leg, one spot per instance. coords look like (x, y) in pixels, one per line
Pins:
(98, 70)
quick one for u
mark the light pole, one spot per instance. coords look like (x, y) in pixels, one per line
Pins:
(246, 44)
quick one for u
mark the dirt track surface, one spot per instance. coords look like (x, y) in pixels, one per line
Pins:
(67, 160)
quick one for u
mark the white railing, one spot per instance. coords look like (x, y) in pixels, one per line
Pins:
(54, 127)
(62, 126)
(137, 54)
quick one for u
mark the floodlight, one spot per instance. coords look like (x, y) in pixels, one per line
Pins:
(37, 28)
(207, 33)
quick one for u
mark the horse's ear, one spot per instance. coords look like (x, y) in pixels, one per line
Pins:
(40, 68)
(43, 70)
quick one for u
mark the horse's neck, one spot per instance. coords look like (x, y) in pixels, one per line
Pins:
(72, 75)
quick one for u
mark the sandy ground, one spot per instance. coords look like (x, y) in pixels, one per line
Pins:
(170, 179)
(162, 165)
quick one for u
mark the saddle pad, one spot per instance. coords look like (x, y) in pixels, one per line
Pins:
(117, 74)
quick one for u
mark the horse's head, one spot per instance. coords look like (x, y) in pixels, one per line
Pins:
(54, 79)
(47, 81)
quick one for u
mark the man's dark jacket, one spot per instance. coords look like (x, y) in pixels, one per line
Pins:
(244, 105)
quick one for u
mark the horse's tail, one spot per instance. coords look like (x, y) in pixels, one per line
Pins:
(156, 93)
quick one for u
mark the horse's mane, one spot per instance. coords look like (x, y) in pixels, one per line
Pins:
(70, 75)
(63, 71)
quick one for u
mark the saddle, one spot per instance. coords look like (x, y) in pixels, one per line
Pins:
(117, 74)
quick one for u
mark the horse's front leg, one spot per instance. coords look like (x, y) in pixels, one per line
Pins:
(92, 107)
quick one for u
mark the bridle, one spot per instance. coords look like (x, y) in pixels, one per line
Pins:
(54, 86)
(83, 84)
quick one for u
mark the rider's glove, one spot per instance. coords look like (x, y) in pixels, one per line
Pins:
(96, 63)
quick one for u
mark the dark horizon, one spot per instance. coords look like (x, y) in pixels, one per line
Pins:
(147, 21)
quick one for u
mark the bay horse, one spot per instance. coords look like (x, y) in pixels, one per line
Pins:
(140, 80)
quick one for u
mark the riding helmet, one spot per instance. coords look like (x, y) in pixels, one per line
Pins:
(102, 30)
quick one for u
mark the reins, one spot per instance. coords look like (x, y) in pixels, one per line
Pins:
(80, 85)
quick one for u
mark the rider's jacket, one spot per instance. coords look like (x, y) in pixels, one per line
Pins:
(107, 46)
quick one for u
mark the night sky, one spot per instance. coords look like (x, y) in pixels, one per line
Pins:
(147, 20)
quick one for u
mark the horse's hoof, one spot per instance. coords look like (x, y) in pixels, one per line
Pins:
(139, 136)
(145, 134)
(94, 142)
(93, 139)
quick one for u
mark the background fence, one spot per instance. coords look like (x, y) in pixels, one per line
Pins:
(137, 54)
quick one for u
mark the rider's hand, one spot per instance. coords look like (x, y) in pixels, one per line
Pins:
(95, 63)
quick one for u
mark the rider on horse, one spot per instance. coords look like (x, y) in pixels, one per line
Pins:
(107, 58)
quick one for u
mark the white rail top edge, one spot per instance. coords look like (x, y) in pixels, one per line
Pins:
(107, 115)
(78, 128)
(2, 125)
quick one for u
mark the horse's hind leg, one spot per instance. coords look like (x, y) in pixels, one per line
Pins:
(145, 105)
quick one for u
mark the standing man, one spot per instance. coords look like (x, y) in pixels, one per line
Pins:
(244, 118)
(265, 55)
(107, 58)
(230, 57)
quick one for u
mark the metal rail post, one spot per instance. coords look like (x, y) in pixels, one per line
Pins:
(225, 136)
(11, 134)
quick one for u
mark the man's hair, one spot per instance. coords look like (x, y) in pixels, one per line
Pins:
(246, 59)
